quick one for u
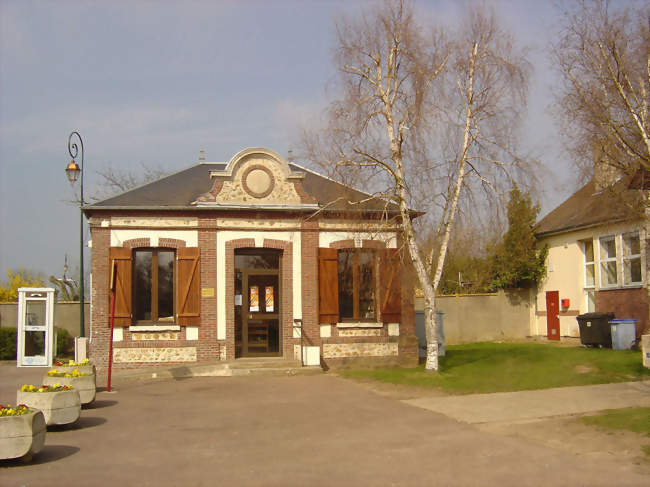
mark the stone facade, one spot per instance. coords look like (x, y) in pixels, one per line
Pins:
(343, 350)
(159, 355)
(360, 333)
(173, 335)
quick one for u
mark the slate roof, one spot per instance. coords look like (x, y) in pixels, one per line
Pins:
(178, 190)
(588, 207)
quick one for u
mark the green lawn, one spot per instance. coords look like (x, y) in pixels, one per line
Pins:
(630, 419)
(503, 367)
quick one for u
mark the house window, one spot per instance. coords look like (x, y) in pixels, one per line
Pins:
(608, 267)
(356, 282)
(590, 264)
(153, 285)
(590, 298)
(631, 258)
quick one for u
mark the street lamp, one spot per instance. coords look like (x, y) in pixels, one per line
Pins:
(73, 171)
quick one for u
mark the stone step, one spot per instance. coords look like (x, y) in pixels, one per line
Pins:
(229, 368)
(262, 363)
(277, 371)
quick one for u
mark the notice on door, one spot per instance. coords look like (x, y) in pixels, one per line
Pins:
(268, 293)
(254, 299)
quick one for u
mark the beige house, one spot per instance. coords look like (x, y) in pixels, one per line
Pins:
(597, 260)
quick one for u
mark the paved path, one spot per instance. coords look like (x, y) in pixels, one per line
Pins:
(523, 405)
(285, 431)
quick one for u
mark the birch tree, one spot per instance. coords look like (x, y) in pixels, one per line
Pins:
(427, 117)
(603, 58)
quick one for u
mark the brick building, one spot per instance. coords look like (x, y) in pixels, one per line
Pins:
(254, 258)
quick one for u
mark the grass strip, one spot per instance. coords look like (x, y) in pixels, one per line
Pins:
(636, 420)
(504, 367)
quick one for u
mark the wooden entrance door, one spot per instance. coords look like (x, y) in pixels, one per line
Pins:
(552, 315)
(260, 318)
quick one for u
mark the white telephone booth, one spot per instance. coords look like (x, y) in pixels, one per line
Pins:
(36, 337)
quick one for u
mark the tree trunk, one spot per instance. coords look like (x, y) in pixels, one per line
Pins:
(431, 327)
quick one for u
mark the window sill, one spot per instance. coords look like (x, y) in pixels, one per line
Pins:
(620, 288)
(152, 327)
(359, 324)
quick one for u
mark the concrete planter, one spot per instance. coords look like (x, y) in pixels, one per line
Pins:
(22, 436)
(68, 369)
(84, 384)
(61, 407)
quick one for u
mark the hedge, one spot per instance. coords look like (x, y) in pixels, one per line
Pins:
(64, 343)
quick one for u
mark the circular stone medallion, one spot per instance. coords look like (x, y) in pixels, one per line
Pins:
(258, 181)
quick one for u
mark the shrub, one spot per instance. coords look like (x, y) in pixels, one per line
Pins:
(64, 343)
(8, 343)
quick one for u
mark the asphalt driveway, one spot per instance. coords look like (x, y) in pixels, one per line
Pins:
(314, 430)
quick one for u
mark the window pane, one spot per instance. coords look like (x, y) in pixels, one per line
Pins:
(591, 302)
(608, 249)
(142, 285)
(346, 283)
(166, 285)
(34, 313)
(590, 275)
(631, 245)
(34, 344)
(632, 270)
(257, 259)
(608, 275)
(589, 250)
(366, 285)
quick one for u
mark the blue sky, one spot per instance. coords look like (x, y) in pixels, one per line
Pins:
(152, 83)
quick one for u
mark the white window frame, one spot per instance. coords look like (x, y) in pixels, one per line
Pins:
(588, 263)
(589, 291)
(630, 257)
(605, 260)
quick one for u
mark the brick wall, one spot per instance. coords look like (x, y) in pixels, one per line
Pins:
(208, 347)
(100, 312)
(309, 257)
(625, 303)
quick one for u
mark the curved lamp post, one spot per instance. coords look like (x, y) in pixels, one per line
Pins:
(73, 171)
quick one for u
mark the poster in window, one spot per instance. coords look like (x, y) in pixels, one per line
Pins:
(268, 293)
(254, 301)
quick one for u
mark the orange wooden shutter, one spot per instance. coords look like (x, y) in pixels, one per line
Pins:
(328, 285)
(189, 286)
(390, 295)
(122, 277)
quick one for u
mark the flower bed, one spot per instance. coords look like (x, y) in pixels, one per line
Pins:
(60, 404)
(82, 382)
(84, 366)
(22, 432)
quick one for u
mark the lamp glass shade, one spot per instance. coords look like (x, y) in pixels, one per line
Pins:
(72, 171)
